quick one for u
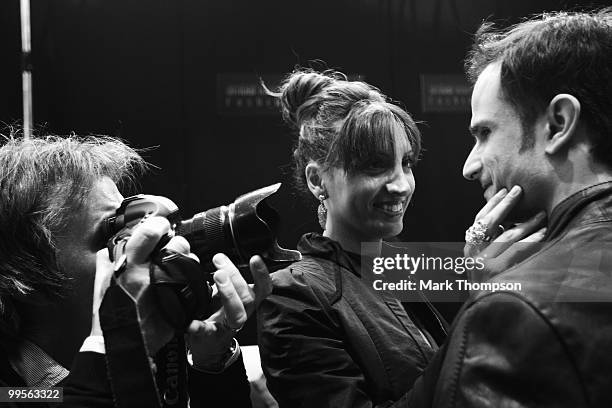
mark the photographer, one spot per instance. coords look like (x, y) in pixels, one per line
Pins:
(209, 340)
(55, 193)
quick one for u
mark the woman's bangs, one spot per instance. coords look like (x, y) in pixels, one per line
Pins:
(368, 139)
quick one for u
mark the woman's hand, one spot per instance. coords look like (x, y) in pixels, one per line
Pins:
(502, 248)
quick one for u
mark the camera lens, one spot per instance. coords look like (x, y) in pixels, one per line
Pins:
(209, 232)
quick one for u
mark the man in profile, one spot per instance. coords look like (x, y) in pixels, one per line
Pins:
(55, 194)
(542, 120)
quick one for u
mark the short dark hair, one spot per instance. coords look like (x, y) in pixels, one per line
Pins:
(550, 54)
(341, 123)
(42, 180)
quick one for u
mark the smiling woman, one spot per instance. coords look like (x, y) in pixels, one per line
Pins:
(367, 203)
(326, 338)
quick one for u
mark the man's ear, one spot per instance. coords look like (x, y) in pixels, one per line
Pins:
(562, 115)
(314, 179)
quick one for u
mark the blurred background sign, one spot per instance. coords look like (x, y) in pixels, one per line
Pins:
(242, 94)
(445, 93)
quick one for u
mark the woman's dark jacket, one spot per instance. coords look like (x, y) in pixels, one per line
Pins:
(327, 339)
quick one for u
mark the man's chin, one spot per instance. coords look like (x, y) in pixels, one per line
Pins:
(520, 214)
(489, 193)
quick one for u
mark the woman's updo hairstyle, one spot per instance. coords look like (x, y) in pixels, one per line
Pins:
(341, 123)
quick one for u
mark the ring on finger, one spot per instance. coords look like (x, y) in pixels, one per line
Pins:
(477, 233)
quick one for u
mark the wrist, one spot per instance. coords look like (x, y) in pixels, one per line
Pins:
(214, 364)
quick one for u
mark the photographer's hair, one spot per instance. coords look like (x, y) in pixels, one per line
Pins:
(42, 181)
(554, 53)
(341, 123)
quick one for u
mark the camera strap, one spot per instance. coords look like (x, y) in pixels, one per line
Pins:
(130, 372)
(171, 374)
(129, 369)
(183, 295)
(180, 287)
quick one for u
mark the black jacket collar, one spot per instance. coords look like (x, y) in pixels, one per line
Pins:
(316, 245)
(587, 205)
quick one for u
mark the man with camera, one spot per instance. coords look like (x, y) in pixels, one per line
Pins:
(56, 194)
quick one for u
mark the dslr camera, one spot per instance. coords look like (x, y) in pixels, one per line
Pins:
(244, 228)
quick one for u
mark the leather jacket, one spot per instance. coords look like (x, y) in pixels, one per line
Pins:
(327, 339)
(547, 345)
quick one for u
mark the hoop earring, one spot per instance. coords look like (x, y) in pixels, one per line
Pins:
(322, 211)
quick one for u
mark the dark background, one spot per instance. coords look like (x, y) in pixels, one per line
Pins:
(146, 71)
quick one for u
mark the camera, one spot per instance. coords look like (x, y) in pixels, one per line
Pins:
(244, 228)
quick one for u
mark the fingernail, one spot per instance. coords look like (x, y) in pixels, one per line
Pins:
(516, 190)
(502, 192)
(221, 278)
(257, 261)
(220, 259)
(541, 215)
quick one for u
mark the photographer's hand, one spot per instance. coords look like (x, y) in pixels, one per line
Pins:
(211, 339)
(135, 280)
(505, 247)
